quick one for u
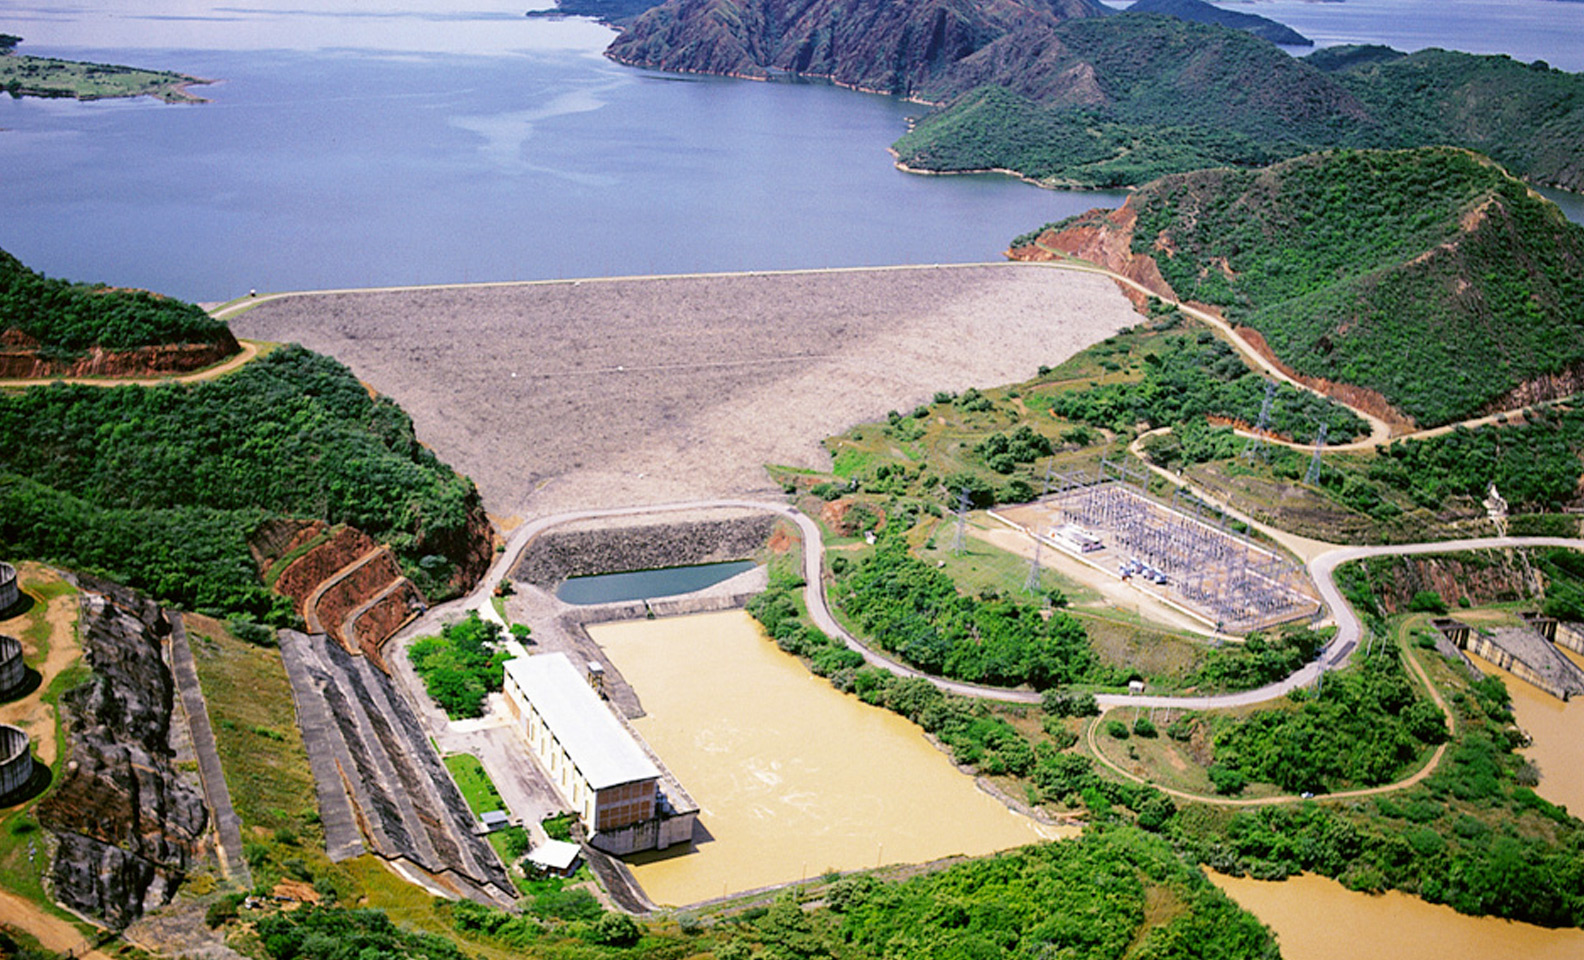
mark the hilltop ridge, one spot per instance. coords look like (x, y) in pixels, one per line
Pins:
(1427, 284)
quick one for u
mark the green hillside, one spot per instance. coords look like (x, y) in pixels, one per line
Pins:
(160, 487)
(1113, 101)
(65, 318)
(1428, 276)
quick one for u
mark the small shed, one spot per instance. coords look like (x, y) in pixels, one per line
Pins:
(555, 856)
(494, 820)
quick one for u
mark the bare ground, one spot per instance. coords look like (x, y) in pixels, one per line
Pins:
(573, 394)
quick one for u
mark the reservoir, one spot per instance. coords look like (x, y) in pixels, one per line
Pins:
(428, 143)
(793, 778)
(644, 584)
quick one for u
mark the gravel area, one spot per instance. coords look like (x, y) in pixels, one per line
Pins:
(574, 394)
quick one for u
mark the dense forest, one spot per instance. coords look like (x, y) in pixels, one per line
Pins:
(160, 487)
(462, 665)
(65, 318)
(1096, 897)
(916, 612)
(1365, 728)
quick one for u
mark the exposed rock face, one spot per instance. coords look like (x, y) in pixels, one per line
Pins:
(22, 361)
(559, 554)
(128, 824)
(1483, 576)
(873, 45)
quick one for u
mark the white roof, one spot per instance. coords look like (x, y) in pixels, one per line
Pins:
(599, 746)
(555, 854)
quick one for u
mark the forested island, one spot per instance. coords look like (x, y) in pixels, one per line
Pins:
(27, 76)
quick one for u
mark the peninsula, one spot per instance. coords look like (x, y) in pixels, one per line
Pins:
(26, 76)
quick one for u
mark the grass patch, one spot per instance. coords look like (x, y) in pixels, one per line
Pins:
(250, 705)
(476, 786)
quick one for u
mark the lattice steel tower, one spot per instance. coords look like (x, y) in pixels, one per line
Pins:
(1313, 476)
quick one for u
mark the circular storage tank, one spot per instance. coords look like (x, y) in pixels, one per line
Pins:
(12, 670)
(16, 760)
(8, 587)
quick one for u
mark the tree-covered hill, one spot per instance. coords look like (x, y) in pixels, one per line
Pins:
(1428, 276)
(1121, 100)
(60, 318)
(1198, 11)
(161, 487)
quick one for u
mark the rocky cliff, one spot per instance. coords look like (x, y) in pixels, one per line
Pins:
(877, 45)
(127, 823)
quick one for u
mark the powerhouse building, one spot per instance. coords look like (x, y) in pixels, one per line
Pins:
(626, 800)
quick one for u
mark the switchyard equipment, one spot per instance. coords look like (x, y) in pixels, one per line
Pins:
(1233, 582)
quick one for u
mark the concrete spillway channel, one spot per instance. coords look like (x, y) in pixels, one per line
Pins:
(380, 784)
(1528, 652)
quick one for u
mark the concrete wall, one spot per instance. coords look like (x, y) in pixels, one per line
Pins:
(1570, 636)
(656, 834)
(16, 759)
(557, 554)
(1486, 649)
(8, 586)
(13, 669)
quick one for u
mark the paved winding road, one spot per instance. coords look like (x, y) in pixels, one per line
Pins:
(1321, 569)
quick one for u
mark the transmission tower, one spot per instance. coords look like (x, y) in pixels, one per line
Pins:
(1049, 466)
(1313, 476)
(960, 541)
(1032, 585)
(1256, 446)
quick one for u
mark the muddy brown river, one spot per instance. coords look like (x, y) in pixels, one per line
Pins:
(1317, 918)
(792, 777)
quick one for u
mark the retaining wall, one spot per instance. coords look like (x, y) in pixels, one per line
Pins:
(1487, 649)
(639, 545)
(13, 669)
(1570, 636)
(16, 759)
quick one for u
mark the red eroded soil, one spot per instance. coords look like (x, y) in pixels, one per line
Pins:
(348, 594)
(305, 574)
(1103, 237)
(383, 619)
(20, 360)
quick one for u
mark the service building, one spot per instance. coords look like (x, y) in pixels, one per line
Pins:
(626, 801)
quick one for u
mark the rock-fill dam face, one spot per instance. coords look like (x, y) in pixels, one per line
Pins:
(127, 823)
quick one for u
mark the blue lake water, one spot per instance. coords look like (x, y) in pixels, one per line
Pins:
(648, 584)
(350, 146)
